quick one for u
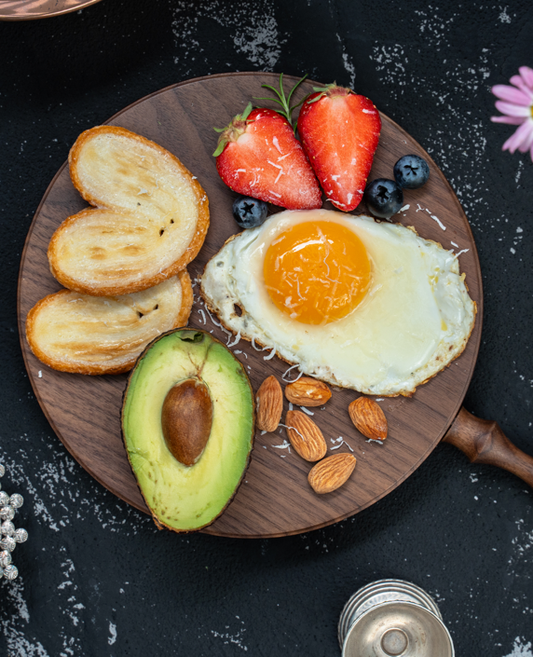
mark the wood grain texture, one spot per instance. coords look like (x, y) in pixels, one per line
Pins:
(274, 498)
(484, 442)
(25, 10)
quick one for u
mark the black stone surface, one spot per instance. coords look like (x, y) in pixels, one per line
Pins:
(96, 577)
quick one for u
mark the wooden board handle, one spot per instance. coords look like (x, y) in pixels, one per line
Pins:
(484, 442)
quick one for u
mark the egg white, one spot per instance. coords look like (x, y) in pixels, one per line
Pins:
(415, 319)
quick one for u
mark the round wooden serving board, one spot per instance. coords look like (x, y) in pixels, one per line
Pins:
(274, 498)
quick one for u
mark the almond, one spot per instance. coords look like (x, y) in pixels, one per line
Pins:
(368, 418)
(305, 436)
(269, 400)
(307, 392)
(331, 473)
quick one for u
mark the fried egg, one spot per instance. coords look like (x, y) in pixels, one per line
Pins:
(360, 304)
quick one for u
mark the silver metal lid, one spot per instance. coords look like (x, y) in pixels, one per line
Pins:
(379, 592)
(398, 629)
(393, 618)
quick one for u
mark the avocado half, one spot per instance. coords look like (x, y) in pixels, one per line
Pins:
(188, 497)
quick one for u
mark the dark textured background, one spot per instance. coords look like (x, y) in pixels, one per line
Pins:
(96, 577)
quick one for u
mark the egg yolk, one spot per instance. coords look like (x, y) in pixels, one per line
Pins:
(317, 272)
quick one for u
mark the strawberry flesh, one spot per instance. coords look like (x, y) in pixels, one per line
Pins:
(340, 132)
(263, 159)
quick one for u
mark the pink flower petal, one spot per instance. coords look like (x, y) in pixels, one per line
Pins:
(518, 82)
(512, 95)
(512, 110)
(513, 120)
(526, 144)
(519, 137)
(526, 74)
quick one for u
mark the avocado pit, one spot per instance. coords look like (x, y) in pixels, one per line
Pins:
(186, 420)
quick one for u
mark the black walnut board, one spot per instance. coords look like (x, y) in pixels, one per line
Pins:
(274, 498)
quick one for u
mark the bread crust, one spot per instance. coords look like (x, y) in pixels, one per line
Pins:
(111, 367)
(127, 286)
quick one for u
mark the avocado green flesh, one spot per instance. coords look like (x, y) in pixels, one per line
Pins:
(180, 497)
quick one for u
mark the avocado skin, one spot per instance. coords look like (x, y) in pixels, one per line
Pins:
(181, 498)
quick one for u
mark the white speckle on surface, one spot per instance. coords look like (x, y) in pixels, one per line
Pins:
(259, 41)
(236, 638)
(231, 638)
(112, 634)
(347, 61)
(19, 645)
(396, 68)
(57, 498)
(285, 445)
(202, 313)
(504, 16)
(284, 376)
(271, 354)
(251, 30)
(436, 219)
(339, 442)
(235, 341)
(520, 648)
(348, 65)
(519, 171)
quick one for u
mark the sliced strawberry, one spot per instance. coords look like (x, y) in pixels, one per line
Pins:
(259, 156)
(340, 131)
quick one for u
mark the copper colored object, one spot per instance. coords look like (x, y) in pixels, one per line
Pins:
(484, 442)
(27, 10)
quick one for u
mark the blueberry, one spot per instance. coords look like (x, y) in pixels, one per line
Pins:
(249, 212)
(383, 197)
(411, 172)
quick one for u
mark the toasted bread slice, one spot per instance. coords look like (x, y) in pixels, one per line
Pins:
(149, 221)
(78, 333)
